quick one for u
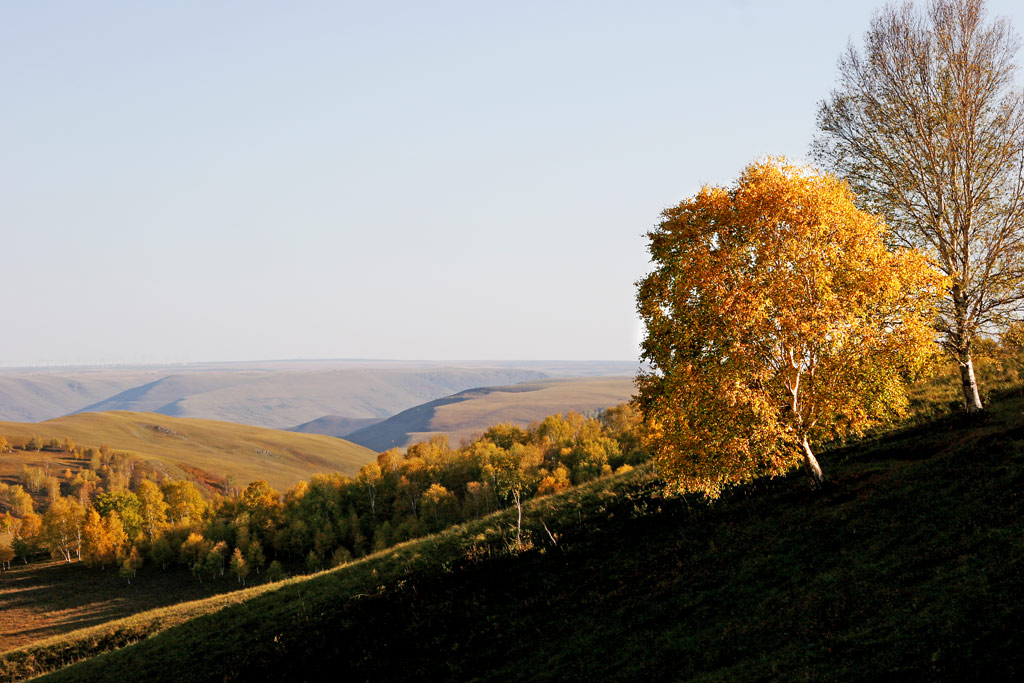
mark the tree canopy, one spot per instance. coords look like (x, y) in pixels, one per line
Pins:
(775, 319)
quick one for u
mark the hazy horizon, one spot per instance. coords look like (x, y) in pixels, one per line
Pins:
(256, 362)
(243, 181)
(279, 394)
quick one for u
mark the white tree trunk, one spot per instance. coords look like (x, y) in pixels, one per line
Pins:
(972, 401)
(519, 521)
(812, 467)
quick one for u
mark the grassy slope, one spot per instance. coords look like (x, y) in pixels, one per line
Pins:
(471, 412)
(910, 565)
(46, 598)
(222, 448)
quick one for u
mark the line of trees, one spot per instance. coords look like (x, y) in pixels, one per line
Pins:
(331, 518)
(34, 443)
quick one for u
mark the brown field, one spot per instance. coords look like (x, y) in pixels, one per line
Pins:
(202, 449)
(46, 598)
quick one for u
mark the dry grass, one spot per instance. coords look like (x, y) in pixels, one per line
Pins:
(43, 599)
(241, 452)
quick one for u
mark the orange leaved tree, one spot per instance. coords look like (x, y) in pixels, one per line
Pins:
(775, 319)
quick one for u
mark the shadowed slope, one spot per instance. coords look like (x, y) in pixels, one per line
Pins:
(155, 396)
(335, 425)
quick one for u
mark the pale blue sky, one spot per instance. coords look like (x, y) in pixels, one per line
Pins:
(196, 181)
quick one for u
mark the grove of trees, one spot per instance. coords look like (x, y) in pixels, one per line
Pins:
(327, 520)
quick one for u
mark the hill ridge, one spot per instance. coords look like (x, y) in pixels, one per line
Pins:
(472, 411)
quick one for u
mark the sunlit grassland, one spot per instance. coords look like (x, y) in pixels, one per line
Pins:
(999, 368)
(223, 449)
(536, 401)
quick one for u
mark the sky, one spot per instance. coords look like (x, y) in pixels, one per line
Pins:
(218, 181)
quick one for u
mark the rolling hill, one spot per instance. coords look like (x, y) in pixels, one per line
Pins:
(468, 413)
(187, 446)
(277, 394)
(282, 399)
(909, 565)
(336, 425)
(31, 396)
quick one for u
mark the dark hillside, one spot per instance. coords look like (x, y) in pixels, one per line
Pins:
(909, 566)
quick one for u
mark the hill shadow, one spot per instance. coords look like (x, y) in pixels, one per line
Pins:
(394, 431)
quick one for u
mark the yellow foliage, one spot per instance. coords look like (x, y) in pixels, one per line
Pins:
(775, 318)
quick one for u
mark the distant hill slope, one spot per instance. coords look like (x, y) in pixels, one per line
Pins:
(908, 566)
(41, 395)
(282, 399)
(336, 425)
(224, 449)
(470, 412)
(276, 394)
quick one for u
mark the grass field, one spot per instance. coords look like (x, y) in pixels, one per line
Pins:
(909, 565)
(45, 598)
(221, 449)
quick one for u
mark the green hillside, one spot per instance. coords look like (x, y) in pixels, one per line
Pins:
(192, 446)
(910, 565)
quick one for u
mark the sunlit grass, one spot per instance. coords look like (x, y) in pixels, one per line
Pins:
(225, 450)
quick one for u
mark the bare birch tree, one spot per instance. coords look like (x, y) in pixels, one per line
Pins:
(927, 126)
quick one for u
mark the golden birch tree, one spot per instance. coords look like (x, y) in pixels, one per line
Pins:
(152, 509)
(775, 319)
(927, 126)
(62, 525)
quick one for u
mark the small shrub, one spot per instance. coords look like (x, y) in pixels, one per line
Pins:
(276, 572)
